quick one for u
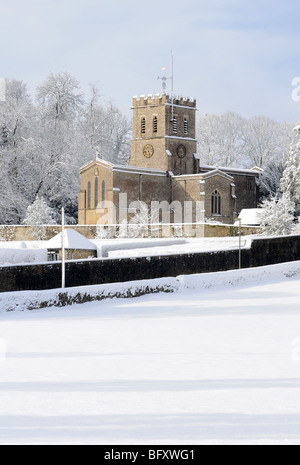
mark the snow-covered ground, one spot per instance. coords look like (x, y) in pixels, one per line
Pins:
(215, 362)
(12, 253)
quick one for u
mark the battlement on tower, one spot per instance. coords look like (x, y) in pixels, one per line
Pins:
(163, 99)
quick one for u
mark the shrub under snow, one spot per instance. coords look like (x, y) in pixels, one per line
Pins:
(277, 217)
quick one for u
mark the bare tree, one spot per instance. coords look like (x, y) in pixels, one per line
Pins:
(231, 140)
(220, 139)
(59, 96)
(261, 141)
(106, 130)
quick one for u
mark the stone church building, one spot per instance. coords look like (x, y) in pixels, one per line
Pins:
(164, 170)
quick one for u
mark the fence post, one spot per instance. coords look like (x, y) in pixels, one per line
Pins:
(63, 258)
(240, 243)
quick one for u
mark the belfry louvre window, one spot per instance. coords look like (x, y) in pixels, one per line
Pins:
(216, 203)
(143, 126)
(174, 121)
(155, 124)
(186, 126)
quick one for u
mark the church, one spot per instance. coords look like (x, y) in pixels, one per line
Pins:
(164, 171)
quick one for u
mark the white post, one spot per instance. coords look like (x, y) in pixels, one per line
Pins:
(240, 243)
(63, 262)
(172, 86)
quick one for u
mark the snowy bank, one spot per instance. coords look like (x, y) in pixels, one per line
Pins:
(21, 255)
(246, 277)
(35, 300)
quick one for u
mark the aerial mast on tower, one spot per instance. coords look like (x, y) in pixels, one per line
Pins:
(164, 82)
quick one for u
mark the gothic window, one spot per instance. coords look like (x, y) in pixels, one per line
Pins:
(216, 203)
(174, 125)
(155, 124)
(186, 126)
(103, 192)
(143, 126)
(96, 192)
(89, 195)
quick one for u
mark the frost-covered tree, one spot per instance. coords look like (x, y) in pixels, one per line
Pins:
(290, 183)
(60, 106)
(38, 215)
(220, 139)
(106, 130)
(277, 216)
(44, 144)
(260, 141)
(231, 140)
(60, 97)
(269, 182)
(18, 120)
(138, 224)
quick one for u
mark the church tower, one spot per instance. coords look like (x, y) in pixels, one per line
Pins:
(164, 134)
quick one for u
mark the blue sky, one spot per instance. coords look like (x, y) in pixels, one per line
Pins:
(230, 55)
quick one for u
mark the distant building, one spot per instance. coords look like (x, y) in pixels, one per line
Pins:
(250, 217)
(164, 172)
(76, 246)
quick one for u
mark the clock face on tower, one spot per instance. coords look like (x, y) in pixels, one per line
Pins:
(181, 151)
(148, 151)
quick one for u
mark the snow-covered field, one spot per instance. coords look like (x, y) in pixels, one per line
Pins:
(215, 362)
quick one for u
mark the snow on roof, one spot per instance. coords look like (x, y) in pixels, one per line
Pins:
(228, 169)
(138, 170)
(73, 241)
(217, 172)
(98, 161)
(250, 217)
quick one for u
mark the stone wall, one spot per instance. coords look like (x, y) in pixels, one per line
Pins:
(28, 233)
(246, 190)
(92, 272)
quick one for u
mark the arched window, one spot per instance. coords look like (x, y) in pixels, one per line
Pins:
(216, 203)
(143, 125)
(103, 192)
(89, 195)
(155, 124)
(96, 192)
